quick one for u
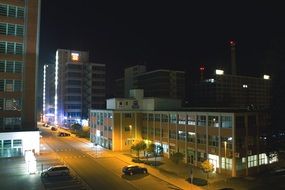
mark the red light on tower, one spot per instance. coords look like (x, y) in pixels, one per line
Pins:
(202, 69)
(232, 43)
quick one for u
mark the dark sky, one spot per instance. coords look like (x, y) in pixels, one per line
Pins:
(165, 34)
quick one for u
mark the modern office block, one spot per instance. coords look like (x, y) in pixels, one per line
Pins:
(157, 83)
(79, 86)
(232, 91)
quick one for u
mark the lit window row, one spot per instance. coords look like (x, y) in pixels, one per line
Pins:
(11, 29)
(199, 120)
(12, 11)
(11, 66)
(10, 85)
(10, 104)
(11, 48)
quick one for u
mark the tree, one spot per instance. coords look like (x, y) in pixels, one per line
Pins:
(151, 149)
(177, 157)
(207, 167)
(76, 127)
(139, 146)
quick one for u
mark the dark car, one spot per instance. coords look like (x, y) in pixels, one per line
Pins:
(53, 128)
(55, 171)
(63, 134)
(132, 169)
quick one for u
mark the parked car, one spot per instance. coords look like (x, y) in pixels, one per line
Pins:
(55, 171)
(53, 128)
(63, 134)
(133, 169)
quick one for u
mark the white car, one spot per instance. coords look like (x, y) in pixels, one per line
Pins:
(55, 171)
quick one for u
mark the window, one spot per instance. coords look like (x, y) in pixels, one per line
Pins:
(12, 11)
(213, 121)
(157, 117)
(263, 159)
(19, 49)
(9, 86)
(191, 137)
(17, 86)
(182, 119)
(226, 121)
(9, 66)
(164, 118)
(1, 85)
(3, 28)
(226, 163)
(213, 141)
(252, 161)
(20, 12)
(7, 144)
(127, 115)
(2, 47)
(191, 120)
(181, 135)
(11, 29)
(1, 103)
(3, 10)
(201, 120)
(173, 118)
(201, 139)
(17, 143)
(18, 67)
(2, 66)
(20, 30)
(172, 134)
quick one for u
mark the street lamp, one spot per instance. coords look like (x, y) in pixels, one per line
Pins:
(131, 127)
(225, 143)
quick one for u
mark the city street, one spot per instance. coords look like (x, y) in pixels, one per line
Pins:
(102, 170)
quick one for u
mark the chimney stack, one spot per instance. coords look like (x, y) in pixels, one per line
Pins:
(233, 57)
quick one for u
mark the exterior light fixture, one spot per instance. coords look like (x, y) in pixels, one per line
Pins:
(219, 72)
(266, 77)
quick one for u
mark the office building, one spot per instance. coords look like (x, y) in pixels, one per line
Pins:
(232, 91)
(79, 86)
(19, 38)
(157, 83)
(230, 138)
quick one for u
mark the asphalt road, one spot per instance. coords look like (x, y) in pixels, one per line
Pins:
(101, 172)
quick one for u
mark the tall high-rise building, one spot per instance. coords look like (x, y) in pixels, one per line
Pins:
(19, 39)
(79, 86)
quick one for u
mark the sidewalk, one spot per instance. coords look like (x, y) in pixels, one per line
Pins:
(168, 171)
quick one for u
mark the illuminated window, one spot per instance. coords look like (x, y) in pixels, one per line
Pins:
(262, 159)
(213, 121)
(252, 161)
(191, 120)
(173, 118)
(201, 120)
(226, 164)
(226, 121)
(182, 119)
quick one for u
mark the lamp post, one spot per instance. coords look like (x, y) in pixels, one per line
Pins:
(131, 127)
(225, 143)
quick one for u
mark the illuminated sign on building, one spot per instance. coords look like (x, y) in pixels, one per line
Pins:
(75, 56)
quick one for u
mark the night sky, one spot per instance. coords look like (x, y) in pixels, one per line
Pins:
(178, 35)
